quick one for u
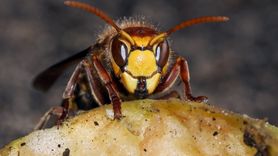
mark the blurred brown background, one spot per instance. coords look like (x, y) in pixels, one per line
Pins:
(234, 63)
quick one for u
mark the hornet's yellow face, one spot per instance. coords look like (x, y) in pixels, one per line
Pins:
(140, 57)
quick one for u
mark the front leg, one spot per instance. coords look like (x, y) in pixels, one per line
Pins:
(88, 66)
(180, 68)
(110, 86)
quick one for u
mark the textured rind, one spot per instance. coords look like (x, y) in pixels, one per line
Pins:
(152, 127)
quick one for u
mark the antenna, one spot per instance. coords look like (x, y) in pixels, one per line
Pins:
(94, 10)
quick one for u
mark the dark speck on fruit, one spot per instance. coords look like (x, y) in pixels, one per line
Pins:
(96, 123)
(215, 133)
(66, 152)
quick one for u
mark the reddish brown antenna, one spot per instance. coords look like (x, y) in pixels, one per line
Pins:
(93, 10)
(204, 19)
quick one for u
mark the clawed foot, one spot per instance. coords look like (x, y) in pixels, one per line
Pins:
(198, 98)
(59, 123)
(117, 107)
(117, 116)
(62, 114)
(57, 111)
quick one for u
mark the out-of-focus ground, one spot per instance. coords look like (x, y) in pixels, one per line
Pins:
(235, 64)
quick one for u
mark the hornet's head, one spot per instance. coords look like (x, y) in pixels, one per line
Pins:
(140, 55)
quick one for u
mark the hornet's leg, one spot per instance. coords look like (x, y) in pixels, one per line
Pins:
(62, 111)
(110, 86)
(85, 66)
(180, 68)
(56, 111)
(70, 88)
(95, 90)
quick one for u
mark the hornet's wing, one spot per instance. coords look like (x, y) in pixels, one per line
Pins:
(47, 78)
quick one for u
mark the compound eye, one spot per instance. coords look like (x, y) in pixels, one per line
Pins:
(119, 52)
(162, 53)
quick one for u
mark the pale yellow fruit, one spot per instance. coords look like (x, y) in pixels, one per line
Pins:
(152, 127)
